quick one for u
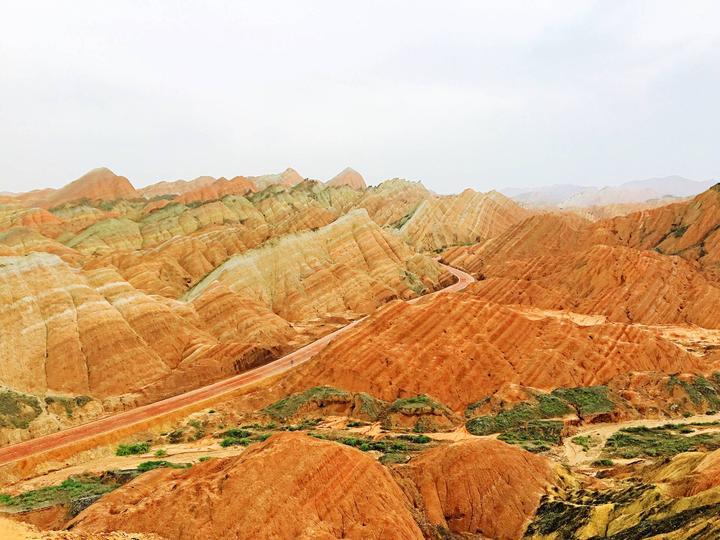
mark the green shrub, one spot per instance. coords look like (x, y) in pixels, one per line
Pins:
(587, 399)
(636, 442)
(75, 487)
(150, 465)
(534, 436)
(18, 410)
(132, 449)
(289, 406)
(235, 441)
(418, 439)
(161, 453)
(604, 462)
(582, 440)
(237, 433)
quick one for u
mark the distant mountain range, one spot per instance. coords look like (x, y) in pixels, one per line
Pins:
(570, 195)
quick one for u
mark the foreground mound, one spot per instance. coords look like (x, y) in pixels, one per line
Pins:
(291, 486)
(461, 488)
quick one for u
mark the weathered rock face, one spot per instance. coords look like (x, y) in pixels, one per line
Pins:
(459, 219)
(349, 265)
(483, 487)
(348, 177)
(460, 348)
(291, 486)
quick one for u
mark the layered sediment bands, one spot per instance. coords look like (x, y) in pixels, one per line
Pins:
(22, 241)
(459, 219)
(348, 177)
(483, 487)
(348, 265)
(218, 189)
(460, 348)
(393, 202)
(288, 178)
(92, 333)
(535, 236)
(176, 187)
(291, 486)
(623, 284)
(182, 244)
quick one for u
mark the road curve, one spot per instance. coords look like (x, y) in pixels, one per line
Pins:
(159, 408)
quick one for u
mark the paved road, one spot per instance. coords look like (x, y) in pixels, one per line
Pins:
(172, 404)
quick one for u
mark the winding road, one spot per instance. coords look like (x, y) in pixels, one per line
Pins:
(158, 409)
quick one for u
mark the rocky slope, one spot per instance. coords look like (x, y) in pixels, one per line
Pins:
(459, 348)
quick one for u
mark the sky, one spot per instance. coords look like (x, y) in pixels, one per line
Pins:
(456, 94)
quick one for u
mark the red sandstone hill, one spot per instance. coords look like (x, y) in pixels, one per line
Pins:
(218, 189)
(460, 348)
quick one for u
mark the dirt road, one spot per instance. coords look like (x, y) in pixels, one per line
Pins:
(160, 408)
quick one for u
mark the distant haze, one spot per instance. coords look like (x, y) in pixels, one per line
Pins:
(455, 94)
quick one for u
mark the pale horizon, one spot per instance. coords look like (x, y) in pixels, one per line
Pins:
(484, 96)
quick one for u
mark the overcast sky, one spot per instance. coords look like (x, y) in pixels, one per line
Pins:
(456, 94)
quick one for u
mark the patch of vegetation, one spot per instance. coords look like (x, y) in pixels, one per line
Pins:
(699, 389)
(203, 459)
(161, 453)
(146, 466)
(416, 404)
(74, 488)
(417, 439)
(582, 440)
(414, 283)
(630, 443)
(235, 441)
(475, 405)
(587, 399)
(289, 406)
(133, 449)
(547, 406)
(384, 445)
(18, 410)
(68, 404)
(394, 458)
(535, 435)
(679, 230)
(604, 462)
(356, 423)
(238, 433)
